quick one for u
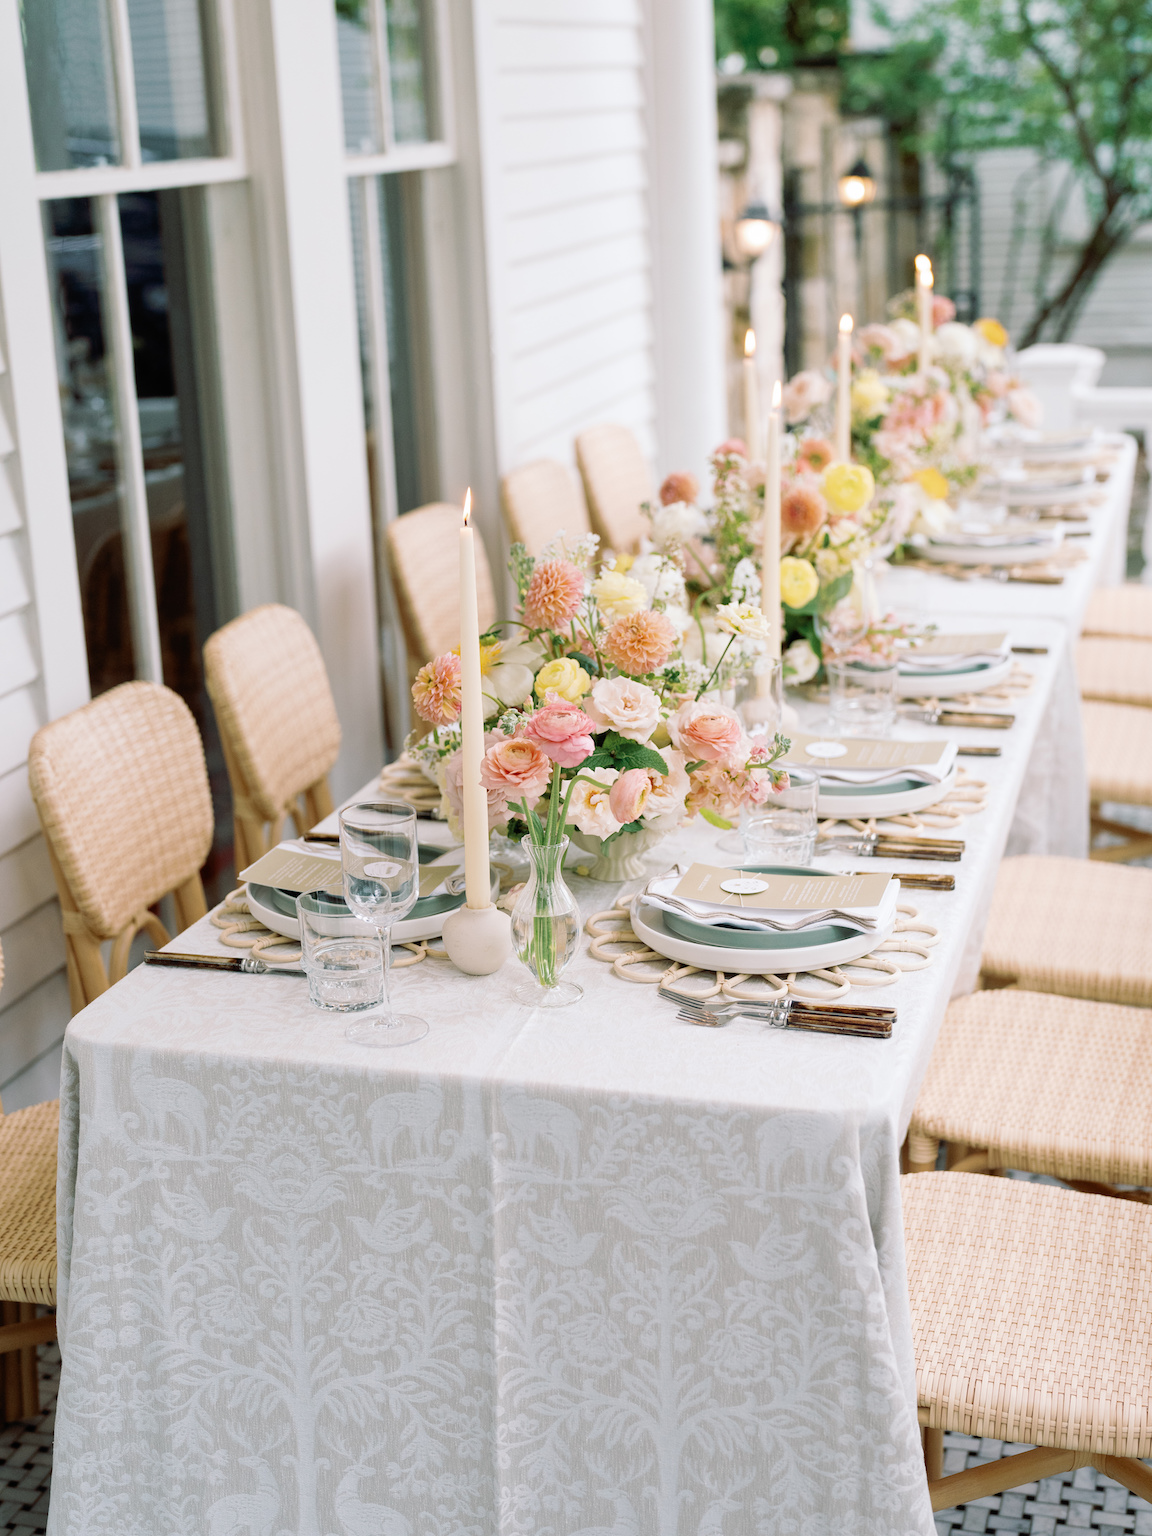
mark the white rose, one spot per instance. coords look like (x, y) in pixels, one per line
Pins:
(801, 662)
(957, 343)
(669, 790)
(909, 335)
(589, 807)
(624, 705)
(618, 595)
(803, 393)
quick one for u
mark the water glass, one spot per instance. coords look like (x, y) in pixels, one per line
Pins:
(862, 696)
(380, 855)
(783, 831)
(341, 955)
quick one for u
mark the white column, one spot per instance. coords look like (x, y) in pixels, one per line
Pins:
(295, 141)
(765, 184)
(685, 241)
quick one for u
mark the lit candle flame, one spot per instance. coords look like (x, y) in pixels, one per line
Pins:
(846, 323)
(924, 270)
(467, 506)
(777, 395)
(749, 342)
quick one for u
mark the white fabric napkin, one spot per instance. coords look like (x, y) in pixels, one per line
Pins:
(927, 773)
(658, 893)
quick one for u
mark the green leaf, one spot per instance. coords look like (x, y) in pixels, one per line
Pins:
(587, 662)
(632, 754)
(715, 821)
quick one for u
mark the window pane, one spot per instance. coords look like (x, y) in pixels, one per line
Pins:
(171, 85)
(408, 69)
(358, 76)
(68, 61)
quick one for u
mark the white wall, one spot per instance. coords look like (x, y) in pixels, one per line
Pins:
(566, 190)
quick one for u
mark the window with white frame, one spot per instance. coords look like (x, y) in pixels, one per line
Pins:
(133, 116)
(397, 104)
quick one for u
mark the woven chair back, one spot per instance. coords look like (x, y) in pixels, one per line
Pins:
(616, 482)
(541, 500)
(278, 724)
(422, 546)
(122, 793)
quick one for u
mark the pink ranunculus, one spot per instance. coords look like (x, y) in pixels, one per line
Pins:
(943, 309)
(516, 768)
(628, 794)
(561, 730)
(622, 704)
(453, 771)
(732, 445)
(709, 732)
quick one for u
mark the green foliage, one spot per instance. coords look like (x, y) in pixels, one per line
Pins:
(780, 33)
(521, 565)
(617, 751)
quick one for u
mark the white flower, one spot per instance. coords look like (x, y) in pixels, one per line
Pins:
(622, 704)
(512, 671)
(578, 548)
(618, 595)
(909, 335)
(676, 524)
(801, 662)
(1024, 407)
(803, 393)
(669, 790)
(746, 583)
(661, 578)
(589, 807)
(742, 619)
(957, 343)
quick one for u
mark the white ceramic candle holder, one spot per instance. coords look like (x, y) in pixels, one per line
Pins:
(478, 939)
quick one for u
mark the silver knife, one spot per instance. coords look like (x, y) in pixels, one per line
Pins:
(248, 964)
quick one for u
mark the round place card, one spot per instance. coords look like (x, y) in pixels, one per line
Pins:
(826, 749)
(744, 886)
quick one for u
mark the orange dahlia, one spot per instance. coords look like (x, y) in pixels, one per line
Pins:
(679, 486)
(640, 642)
(436, 691)
(554, 594)
(802, 511)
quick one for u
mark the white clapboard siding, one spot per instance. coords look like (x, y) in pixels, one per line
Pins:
(14, 593)
(567, 203)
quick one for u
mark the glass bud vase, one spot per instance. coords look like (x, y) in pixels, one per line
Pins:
(546, 927)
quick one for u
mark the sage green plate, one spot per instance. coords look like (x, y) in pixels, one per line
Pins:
(744, 938)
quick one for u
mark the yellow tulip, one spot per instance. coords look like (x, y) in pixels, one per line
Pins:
(932, 481)
(799, 582)
(848, 487)
(992, 331)
(567, 677)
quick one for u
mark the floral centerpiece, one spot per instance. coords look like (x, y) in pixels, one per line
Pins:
(599, 725)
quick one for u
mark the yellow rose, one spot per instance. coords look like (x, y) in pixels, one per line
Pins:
(623, 563)
(992, 331)
(799, 583)
(869, 395)
(618, 595)
(932, 481)
(566, 676)
(848, 487)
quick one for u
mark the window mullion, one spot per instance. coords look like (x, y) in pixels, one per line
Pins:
(383, 75)
(125, 84)
(135, 527)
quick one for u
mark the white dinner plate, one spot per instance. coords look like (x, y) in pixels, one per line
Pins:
(648, 926)
(1022, 493)
(881, 800)
(994, 554)
(971, 677)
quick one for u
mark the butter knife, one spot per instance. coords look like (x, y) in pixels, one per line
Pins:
(248, 964)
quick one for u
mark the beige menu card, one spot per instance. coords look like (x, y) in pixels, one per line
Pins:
(781, 893)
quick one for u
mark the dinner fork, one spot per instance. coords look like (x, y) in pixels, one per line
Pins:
(785, 1013)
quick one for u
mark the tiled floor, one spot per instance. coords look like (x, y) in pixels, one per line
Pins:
(26, 1458)
(1075, 1501)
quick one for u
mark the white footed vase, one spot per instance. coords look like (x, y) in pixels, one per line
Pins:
(621, 859)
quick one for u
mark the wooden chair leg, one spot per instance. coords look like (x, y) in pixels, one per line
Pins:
(13, 1395)
(933, 1454)
(1135, 1476)
(923, 1151)
(1009, 1472)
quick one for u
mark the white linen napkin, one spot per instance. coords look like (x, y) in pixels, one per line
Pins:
(658, 893)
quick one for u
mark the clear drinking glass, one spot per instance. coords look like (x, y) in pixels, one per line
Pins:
(783, 830)
(862, 697)
(381, 859)
(341, 955)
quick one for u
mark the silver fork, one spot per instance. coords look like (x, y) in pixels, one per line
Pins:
(777, 1011)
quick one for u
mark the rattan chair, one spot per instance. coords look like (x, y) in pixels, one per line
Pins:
(1114, 669)
(1118, 751)
(1055, 1085)
(278, 725)
(1072, 926)
(422, 547)
(28, 1140)
(1124, 611)
(617, 481)
(1030, 1310)
(542, 500)
(122, 793)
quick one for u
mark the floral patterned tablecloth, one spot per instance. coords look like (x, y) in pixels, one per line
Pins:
(543, 1272)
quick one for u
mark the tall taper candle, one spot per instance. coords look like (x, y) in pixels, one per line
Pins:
(843, 444)
(770, 544)
(752, 436)
(924, 281)
(477, 873)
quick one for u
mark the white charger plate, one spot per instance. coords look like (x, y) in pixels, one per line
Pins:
(648, 926)
(407, 931)
(865, 800)
(973, 678)
(983, 554)
(1022, 494)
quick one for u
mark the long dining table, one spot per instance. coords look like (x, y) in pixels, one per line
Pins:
(578, 1272)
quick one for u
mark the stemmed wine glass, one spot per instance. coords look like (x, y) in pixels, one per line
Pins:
(381, 859)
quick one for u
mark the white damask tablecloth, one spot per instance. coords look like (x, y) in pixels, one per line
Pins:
(546, 1272)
